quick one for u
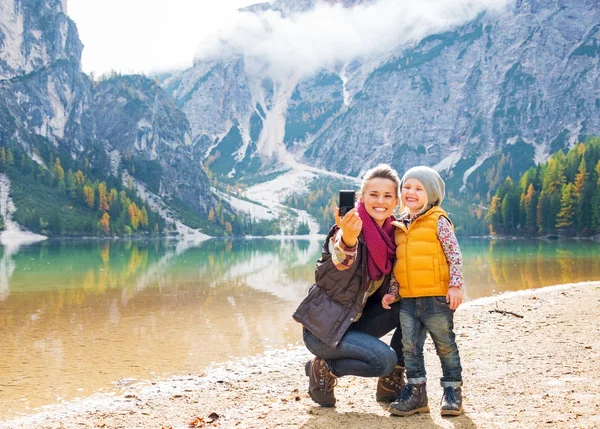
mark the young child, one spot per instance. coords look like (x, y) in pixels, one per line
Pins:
(428, 272)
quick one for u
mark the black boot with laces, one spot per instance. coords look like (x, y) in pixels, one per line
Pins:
(412, 400)
(451, 402)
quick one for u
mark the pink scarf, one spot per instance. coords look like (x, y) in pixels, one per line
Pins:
(380, 243)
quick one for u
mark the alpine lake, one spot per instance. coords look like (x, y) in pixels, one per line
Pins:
(79, 317)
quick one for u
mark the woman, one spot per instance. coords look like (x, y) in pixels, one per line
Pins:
(342, 314)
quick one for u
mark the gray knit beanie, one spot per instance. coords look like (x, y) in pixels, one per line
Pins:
(432, 182)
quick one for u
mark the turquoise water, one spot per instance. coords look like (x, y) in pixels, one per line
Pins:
(77, 316)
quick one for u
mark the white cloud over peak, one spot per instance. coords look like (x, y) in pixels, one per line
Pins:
(331, 34)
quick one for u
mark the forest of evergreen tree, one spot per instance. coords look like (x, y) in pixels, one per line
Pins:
(60, 196)
(53, 202)
(558, 197)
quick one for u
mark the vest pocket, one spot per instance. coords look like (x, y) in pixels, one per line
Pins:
(324, 316)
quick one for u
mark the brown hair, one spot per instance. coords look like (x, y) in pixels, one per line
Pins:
(382, 171)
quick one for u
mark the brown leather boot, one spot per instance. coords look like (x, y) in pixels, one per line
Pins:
(389, 385)
(412, 400)
(321, 382)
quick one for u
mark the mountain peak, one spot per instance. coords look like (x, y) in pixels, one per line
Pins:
(290, 7)
(34, 35)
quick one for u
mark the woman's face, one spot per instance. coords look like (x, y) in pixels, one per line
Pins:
(380, 197)
(414, 196)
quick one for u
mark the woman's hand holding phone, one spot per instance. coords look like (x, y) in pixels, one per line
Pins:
(350, 224)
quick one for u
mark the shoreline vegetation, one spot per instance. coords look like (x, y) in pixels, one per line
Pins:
(551, 237)
(61, 197)
(535, 371)
(560, 197)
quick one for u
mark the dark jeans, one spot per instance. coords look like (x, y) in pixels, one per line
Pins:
(360, 352)
(429, 314)
(377, 321)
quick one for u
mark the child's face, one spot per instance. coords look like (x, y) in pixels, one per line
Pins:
(380, 197)
(414, 196)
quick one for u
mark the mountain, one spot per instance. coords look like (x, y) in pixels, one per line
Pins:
(50, 109)
(44, 95)
(503, 89)
(479, 101)
(522, 83)
(34, 35)
(246, 122)
(142, 129)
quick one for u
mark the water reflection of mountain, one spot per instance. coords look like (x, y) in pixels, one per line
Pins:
(7, 266)
(140, 309)
(494, 266)
(100, 311)
(275, 267)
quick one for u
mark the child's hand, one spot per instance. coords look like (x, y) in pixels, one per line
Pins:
(454, 297)
(387, 299)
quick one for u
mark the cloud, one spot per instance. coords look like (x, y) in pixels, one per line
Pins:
(146, 35)
(331, 34)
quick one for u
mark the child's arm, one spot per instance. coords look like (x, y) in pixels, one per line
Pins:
(392, 293)
(454, 257)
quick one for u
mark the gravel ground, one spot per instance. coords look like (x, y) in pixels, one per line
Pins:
(538, 371)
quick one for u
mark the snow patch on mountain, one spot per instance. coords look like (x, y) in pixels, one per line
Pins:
(271, 138)
(471, 169)
(13, 235)
(38, 159)
(255, 211)
(345, 87)
(158, 205)
(448, 162)
(217, 138)
(271, 194)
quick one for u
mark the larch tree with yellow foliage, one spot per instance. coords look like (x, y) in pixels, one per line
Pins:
(134, 216)
(102, 198)
(88, 196)
(60, 172)
(105, 223)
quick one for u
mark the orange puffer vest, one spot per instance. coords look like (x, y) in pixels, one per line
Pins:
(421, 267)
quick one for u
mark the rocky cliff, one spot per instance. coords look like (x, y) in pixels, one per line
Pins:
(520, 84)
(478, 101)
(48, 103)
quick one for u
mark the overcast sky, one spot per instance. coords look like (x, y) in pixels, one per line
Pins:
(143, 35)
(153, 35)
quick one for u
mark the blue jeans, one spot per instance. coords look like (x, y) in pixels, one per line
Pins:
(429, 314)
(360, 352)
(377, 321)
(357, 353)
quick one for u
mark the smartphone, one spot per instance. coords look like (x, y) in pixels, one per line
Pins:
(346, 203)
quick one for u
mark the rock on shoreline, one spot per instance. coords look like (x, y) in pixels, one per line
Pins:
(538, 371)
